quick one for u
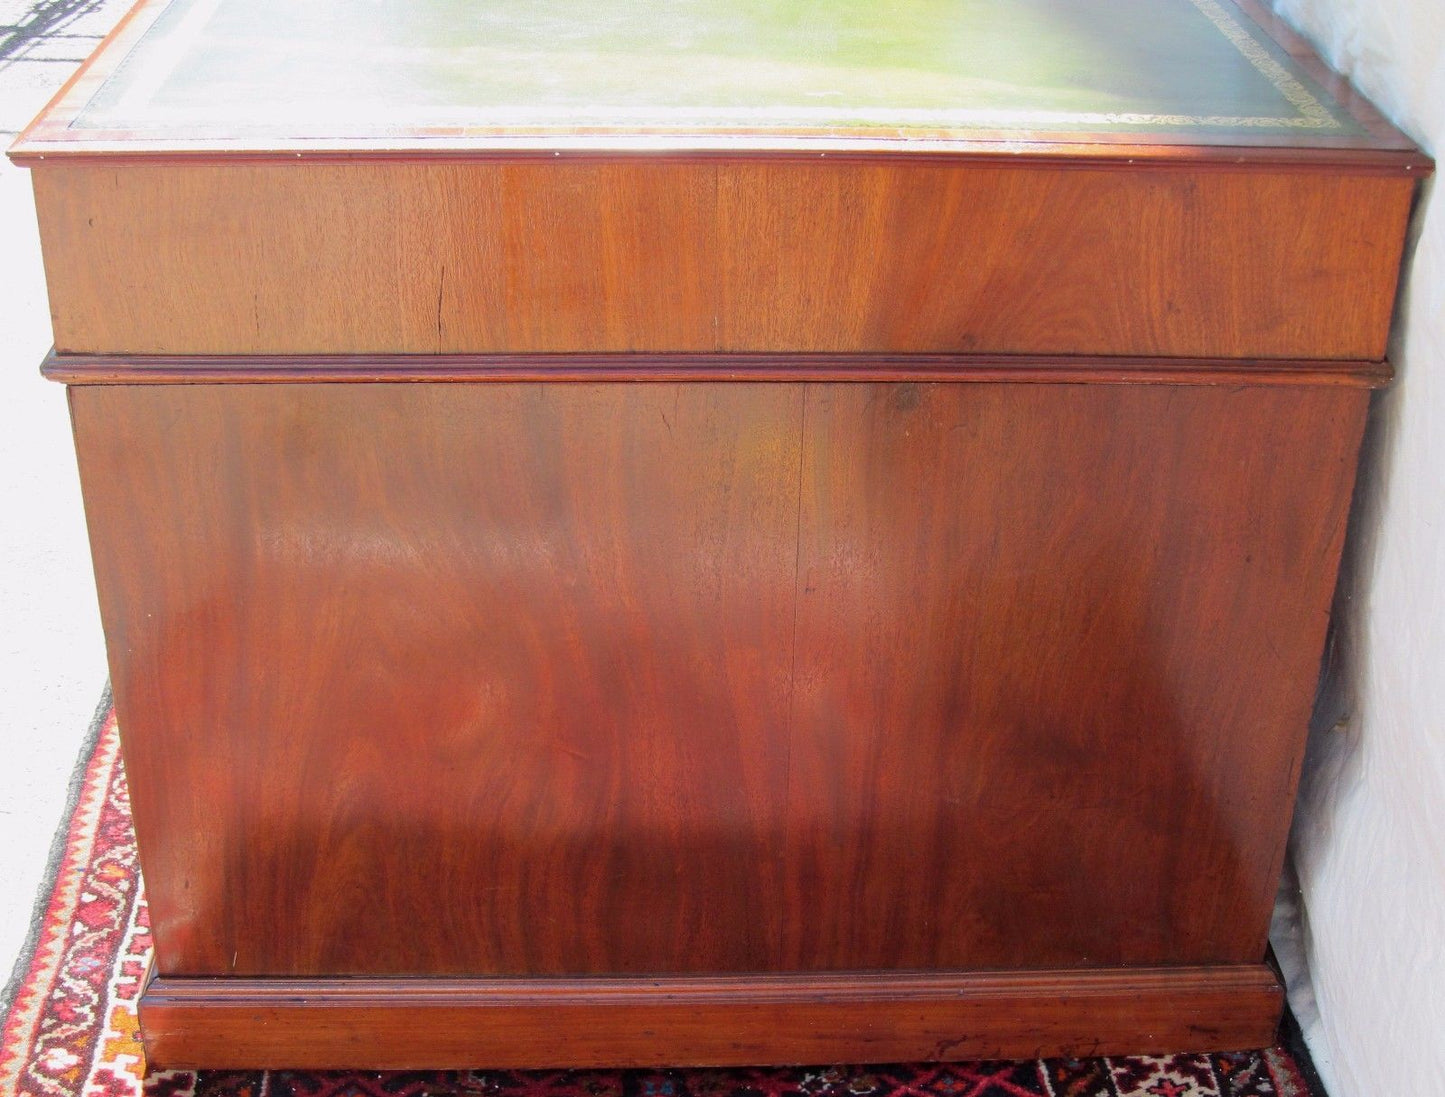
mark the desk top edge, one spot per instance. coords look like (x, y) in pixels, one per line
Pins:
(1378, 145)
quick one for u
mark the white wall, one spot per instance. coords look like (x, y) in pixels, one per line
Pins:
(1369, 840)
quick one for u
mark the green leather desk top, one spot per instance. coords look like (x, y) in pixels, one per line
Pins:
(274, 73)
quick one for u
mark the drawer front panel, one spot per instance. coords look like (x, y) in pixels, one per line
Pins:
(706, 255)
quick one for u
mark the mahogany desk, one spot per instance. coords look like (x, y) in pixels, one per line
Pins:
(713, 533)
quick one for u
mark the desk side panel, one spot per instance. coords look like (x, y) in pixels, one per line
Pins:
(584, 679)
(657, 254)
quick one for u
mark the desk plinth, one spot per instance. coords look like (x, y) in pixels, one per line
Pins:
(669, 590)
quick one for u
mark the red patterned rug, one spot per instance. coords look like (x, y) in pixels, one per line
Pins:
(71, 1029)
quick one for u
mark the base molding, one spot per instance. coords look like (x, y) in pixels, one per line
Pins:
(439, 1023)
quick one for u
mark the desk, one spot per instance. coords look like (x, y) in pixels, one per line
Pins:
(716, 533)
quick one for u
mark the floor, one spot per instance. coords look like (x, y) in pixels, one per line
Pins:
(52, 661)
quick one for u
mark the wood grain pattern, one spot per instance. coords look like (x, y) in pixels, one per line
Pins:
(422, 679)
(75, 369)
(1056, 652)
(532, 679)
(658, 255)
(728, 1021)
(878, 257)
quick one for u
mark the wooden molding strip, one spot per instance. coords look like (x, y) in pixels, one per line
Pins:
(129, 370)
(1056, 153)
(399, 1023)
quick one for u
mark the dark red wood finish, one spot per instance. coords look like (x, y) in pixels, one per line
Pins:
(451, 680)
(726, 1020)
(1055, 655)
(533, 679)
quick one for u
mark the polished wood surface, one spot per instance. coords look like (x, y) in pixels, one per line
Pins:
(657, 255)
(1055, 654)
(494, 680)
(537, 679)
(724, 1021)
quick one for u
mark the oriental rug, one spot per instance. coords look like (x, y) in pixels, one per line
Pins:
(71, 1028)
